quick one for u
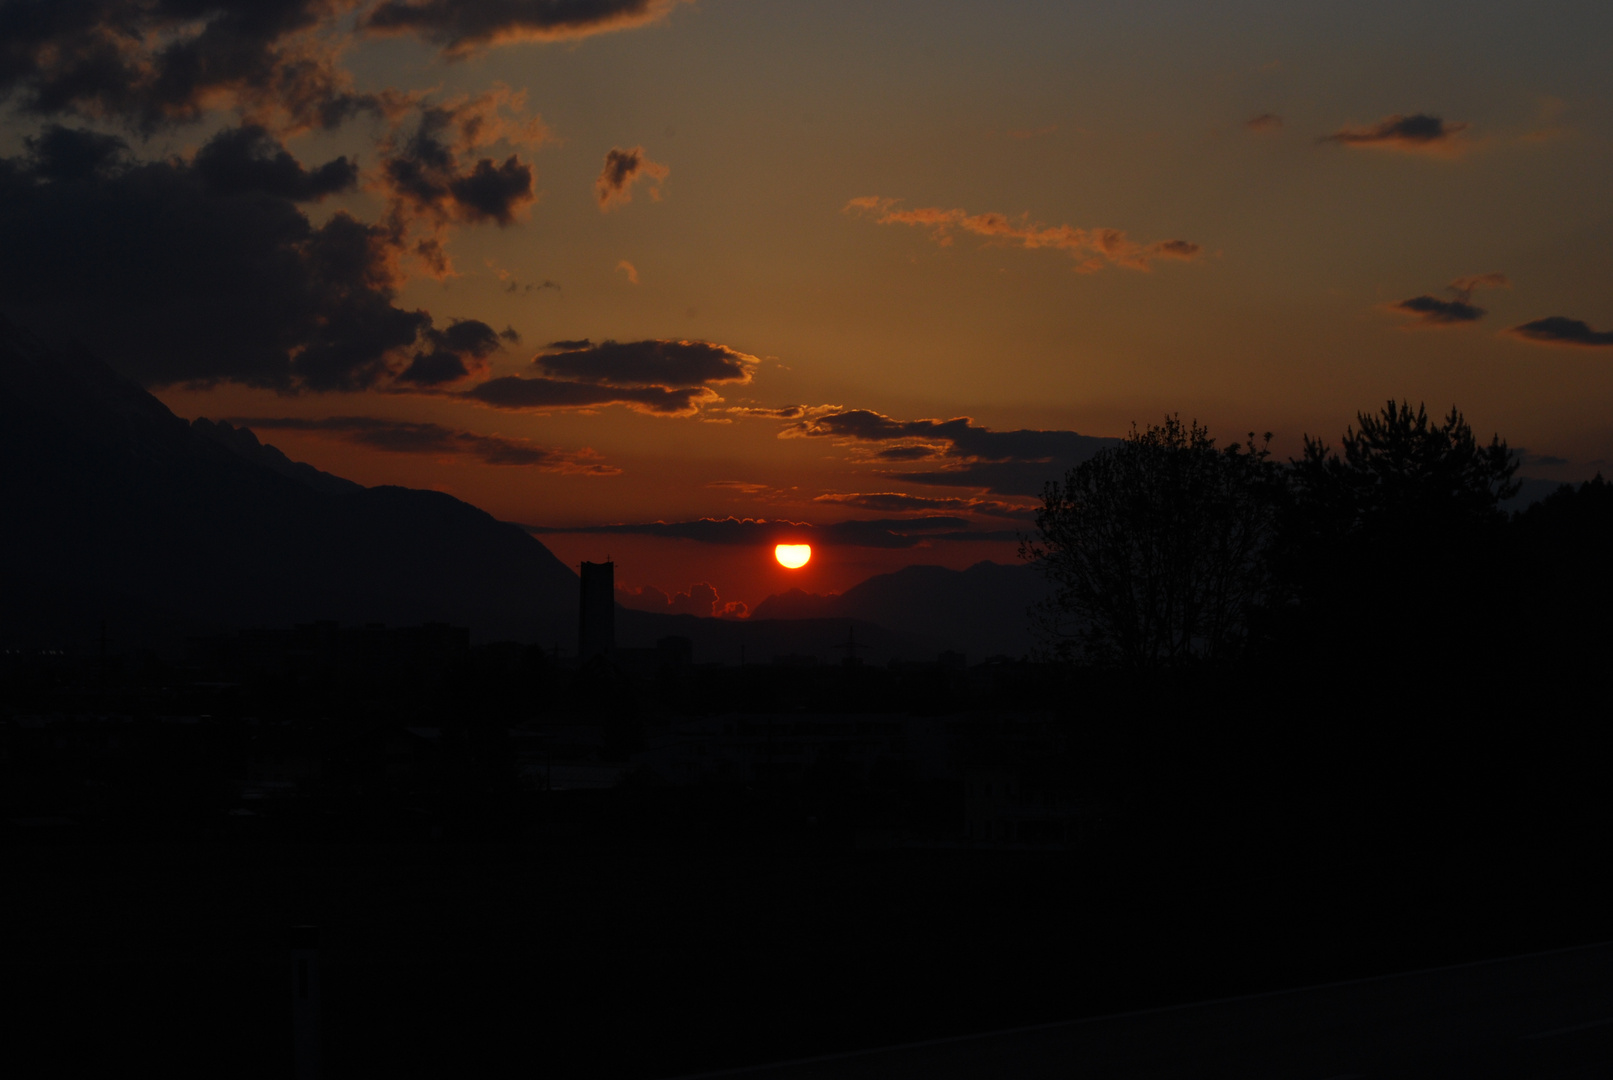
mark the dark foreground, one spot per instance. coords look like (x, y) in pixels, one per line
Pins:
(508, 959)
(1546, 1015)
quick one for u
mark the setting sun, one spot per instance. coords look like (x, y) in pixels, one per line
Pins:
(793, 556)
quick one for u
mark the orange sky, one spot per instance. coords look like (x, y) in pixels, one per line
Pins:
(1043, 217)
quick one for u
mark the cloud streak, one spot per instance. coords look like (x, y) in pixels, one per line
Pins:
(1418, 133)
(657, 377)
(410, 437)
(463, 26)
(1093, 249)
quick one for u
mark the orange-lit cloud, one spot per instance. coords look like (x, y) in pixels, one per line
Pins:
(660, 378)
(1418, 133)
(1092, 248)
(1431, 311)
(700, 599)
(1563, 331)
(901, 502)
(409, 437)
(461, 26)
(630, 270)
(623, 169)
(1264, 122)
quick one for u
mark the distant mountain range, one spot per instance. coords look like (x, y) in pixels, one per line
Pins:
(119, 513)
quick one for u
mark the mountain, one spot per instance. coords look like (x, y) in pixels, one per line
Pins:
(981, 611)
(118, 512)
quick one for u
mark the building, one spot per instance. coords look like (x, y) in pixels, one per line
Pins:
(596, 619)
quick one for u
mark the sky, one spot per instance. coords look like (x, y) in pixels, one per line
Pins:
(672, 281)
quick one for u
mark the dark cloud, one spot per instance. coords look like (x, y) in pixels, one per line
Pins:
(663, 378)
(248, 158)
(510, 335)
(1432, 311)
(1007, 462)
(190, 283)
(453, 353)
(460, 26)
(1418, 131)
(887, 533)
(406, 437)
(1559, 330)
(1264, 122)
(62, 154)
(156, 62)
(646, 363)
(427, 173)
(539, 394)
(622, 169)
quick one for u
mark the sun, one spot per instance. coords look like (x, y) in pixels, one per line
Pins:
(793, 556)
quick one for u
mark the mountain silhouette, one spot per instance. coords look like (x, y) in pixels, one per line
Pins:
(120, 513)
(980, 611)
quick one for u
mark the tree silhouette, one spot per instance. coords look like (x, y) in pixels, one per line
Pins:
(1155, 548)
(1389, 552)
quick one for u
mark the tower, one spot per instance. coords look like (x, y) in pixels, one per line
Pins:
(596, 620)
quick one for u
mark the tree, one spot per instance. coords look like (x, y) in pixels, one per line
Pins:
(1156, 548)
(1410, 502)
(1391, 556)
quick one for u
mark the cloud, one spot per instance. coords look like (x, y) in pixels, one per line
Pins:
(701, 599)
(541, 395)
(658, 377)
(646, 363)
(1092, 248)
(1559, 330)
(408, 437)
(900, 502)
(885, 533)
(202, 272)
(1007, 462)
(788, 412)
(163, 62)
(454, 353)
(624, 168)
(632, 271)
(461, 26)
(1264, 122)
(248, 158)
(433, 177)
(1432, 311)
(1417, 133)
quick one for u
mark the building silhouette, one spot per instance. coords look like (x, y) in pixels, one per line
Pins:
(596, 619)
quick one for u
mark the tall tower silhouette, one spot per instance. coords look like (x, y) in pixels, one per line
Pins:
(596, 619)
